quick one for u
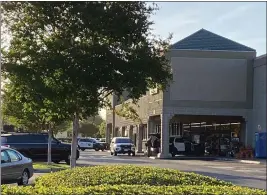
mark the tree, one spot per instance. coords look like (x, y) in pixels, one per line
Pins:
(31, 116)
(78, 53)
(102, 129)
(90, 126)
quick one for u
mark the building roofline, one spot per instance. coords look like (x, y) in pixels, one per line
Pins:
(261, 56)
(212, 50)
(202, 29)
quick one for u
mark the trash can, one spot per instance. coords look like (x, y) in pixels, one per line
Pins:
(260, 145)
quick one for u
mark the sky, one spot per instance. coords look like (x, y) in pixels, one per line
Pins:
(243, 22)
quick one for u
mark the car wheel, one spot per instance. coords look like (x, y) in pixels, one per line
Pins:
(83, 149)
(24, 178)
(115, 154)
(133, 153)
(96, 149)
(102, 149)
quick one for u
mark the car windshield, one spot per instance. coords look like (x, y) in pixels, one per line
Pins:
(123, 140)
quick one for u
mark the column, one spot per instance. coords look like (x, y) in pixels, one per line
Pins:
(140, 129)
(130, 132)
(107, 134)
(164, 143)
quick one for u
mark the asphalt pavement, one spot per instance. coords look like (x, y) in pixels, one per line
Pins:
(250, 175)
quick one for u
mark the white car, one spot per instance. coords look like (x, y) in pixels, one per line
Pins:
(122, 145)
(89, 143)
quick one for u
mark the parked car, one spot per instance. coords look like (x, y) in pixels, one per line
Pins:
(103, 142)
(90, 143)
(15, 168)
(122, 145)
(35, 145)
(179, 145)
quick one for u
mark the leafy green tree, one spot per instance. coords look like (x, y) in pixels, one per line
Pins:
(34, 115)
(75, 54)
(88, 129)
(102, 129)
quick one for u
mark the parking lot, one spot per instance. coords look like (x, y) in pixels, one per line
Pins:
(251, 175)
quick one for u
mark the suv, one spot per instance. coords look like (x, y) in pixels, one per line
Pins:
(122, 145)
(35, 146)
(89, 143)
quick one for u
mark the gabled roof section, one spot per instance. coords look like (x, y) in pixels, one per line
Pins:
(206, 40)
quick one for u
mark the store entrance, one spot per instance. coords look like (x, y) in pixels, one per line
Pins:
(212, 135)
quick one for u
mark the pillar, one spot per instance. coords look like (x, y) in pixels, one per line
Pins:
(108, 133)
(164, 143)
(140, 129)
(130, 132)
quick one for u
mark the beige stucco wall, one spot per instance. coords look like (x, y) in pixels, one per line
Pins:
(147, 105)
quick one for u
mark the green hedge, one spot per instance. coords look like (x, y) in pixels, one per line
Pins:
(133, 190)
(124, 174)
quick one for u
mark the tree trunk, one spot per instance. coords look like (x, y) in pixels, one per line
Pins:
(49, 159)
(74, 141)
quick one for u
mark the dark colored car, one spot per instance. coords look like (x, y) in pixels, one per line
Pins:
(35, 145)
(15, 168)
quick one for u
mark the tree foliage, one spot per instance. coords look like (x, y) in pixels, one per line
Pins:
(30, 115)
(90, 127)
(128, 112)
(74, 49)
(102, 129)
(65, 58)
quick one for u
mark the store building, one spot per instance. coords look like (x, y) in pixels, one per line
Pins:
(218, 88)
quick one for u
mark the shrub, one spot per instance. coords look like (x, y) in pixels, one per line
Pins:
(124, 174)
(133, 190)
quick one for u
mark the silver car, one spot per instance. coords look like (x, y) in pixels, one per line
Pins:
(15, 168)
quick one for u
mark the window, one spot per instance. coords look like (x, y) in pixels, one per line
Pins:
(123, 140)
(175, 129)
(3, 140)
(14, 156)
(4, 157)
(158, 128)
(144, 133)
(92, 140)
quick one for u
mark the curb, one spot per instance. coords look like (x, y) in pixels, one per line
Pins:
(47, 170)
(215, 159)
(250, 162)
